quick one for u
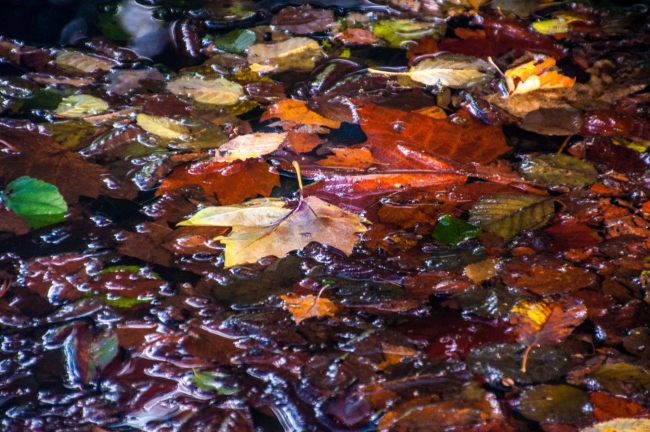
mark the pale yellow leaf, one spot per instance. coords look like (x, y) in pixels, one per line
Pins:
(249, 146)
(162, 126)
(79, 62)
(217, 91)
(255, 213)
(83, 105)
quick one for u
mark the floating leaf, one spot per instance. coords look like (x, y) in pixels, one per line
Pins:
(296, 111)
(545, 322)
(452, 70)
(352, 158)
(214, 381)
(162, 126)
(236, 41)
(451, 230)
(398, 31)
(81, 106)
(79, 62)
(217, 91)
(561, 121)
(554, 403)
(303, 307)
(620, 425)
(249, 146)
(559, 24)
(508, 215)
(313, 220)
(298, 53)
(558, 170)
(257, 212)
(36, 201)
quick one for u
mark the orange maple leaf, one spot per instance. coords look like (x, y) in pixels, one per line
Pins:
(303, 307)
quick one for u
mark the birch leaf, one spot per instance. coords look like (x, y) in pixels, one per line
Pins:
(249, 146)
(303, 307)
(299, 53)
(79, 62)
(162, 126)
(218, 91)
(508, 215)
(313, 220)
(254, 213)
(452, 70)
(83, 105)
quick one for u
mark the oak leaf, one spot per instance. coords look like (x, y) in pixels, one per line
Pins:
(303, 307)
(545, 322)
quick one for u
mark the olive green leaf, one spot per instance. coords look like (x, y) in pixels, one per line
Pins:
(83, 105)
(508, 215)
(558, 170)
(236, 41)
(162, 126)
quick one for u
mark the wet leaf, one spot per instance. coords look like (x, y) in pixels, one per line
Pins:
(254, 213)
(304, 307)
(81, 106)
(553, 121)
(313, 220)
(396, 32)
(354, 158)
(608, 407)
(296, 111)
(79, 62)
(545, 322)
(535, 75)
(508, 215)
(162, 126)
(450, 70)
(554, 403)
(558, 169)
(217, 91)
(36, 201)
(451, 230)
(502, 361)
(236, 41)
(620, 425)
(622, 379)
(214, 381)
(71, 134)
(482, 270)
(298, 53)
(249, 146)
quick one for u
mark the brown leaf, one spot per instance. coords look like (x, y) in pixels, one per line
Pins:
(608, 407)
(26, 151)
(302, 142)
(353, 158)
(303, 307)
(230, 183)
(461, 138)
(545, 322)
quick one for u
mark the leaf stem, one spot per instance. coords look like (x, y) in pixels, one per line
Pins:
(297, 167)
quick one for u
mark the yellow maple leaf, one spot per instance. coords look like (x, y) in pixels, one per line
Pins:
(303, 307)
(534, 75)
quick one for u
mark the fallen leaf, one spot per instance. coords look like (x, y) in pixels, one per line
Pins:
(482, 270)
(398, 31)
(508, 215)
(83, 105)
(302, 142)
(249, 146)
(558, 170)
(162, 126)
(254, 213)
(313, 220)
(296, 111)
(352, 158)
(79, 62)
(298, 53)
(461, 138)
(218, 179)
(608, 407)
(309, 306)
(36, 201)
(620, 425)
(452, 70)
(217, 91)
(535, 75)
(545, 322)
(554, 403)
(544, 275)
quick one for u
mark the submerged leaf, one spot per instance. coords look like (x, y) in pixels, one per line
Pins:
(508, 215)
(216, 381)
(303, 307)
(298, 53)
(558, 169)
(236, 41)
(162, 126)
(398, 31)
(217, 91)
(451, 230)
(79, 62)
(452, 70)
(81, 106)
(554, 403)
(249, 146)
(36, 201)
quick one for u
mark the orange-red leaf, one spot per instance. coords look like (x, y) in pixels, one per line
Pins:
(296, 111)
(354, 158)
(303, 307)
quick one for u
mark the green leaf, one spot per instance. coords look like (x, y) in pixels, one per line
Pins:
(236, 41)
(103, 350)
(451, 230)
(554, 403)
(80, 106)
(558, 169)
(162, 126)
(508, 215)
(121, 302)
(452, 70)
(396, 32)
(207, 380)
(36, 201)
(218, 91)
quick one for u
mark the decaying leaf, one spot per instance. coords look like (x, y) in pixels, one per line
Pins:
(558, 170)
(554, 403)
(545, 322)
(309, 306)
(352, 158)
(249, 146)
(217, 91)
(79, 62)
(81, 106)
(298, 53)
(450, 70)
(508, 215)
(162, 126)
